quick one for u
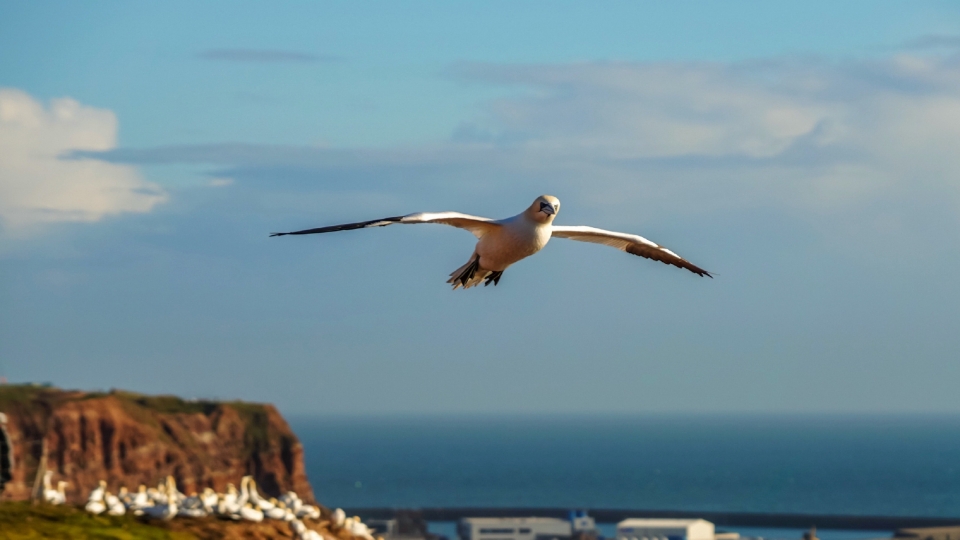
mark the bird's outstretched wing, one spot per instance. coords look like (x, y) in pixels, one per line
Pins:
(476, 225)
(631, 243)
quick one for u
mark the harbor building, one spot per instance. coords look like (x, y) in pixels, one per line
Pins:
(529, 528)
(582, 523)
(665, 529)
(928, 533)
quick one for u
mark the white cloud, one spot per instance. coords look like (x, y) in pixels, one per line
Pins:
(797, 132)
(651, 110)
(221, 182)
(934, 41)
(38, 184)
(839, 144)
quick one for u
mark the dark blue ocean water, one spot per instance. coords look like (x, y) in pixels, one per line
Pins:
(869, 465)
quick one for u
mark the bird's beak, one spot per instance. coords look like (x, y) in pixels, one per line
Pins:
(547, 209)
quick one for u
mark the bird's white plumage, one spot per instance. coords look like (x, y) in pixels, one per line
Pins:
(629, 243)
(475, 224)
(504, 242)
(166, 502)
(600, 236)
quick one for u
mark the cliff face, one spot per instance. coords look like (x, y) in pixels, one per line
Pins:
(129, 439)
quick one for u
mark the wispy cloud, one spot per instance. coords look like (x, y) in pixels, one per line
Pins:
(263, 56)
(221, 182)
(39, 185)
(934, 41)
(809, 137)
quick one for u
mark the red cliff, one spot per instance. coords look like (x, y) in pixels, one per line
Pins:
(131, 439)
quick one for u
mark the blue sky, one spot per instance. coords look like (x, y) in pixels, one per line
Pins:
(805, 152)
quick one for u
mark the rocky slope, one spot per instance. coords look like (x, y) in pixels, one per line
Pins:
(129, 439)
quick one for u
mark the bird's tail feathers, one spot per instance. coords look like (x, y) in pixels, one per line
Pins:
(468, 275)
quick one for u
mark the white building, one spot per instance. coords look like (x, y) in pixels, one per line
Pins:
(582, 522)
(665, 529)
(531, 528)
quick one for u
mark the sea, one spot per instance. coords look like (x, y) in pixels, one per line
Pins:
(873, 465)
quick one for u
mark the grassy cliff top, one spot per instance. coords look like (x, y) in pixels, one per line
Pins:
(23, 520)
(29, 396)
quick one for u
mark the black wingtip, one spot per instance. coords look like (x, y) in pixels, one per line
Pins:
(277, 234)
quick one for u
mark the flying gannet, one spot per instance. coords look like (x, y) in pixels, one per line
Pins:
(505, 241)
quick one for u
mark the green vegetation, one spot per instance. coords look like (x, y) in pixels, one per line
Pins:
(32, 395)
(23, 520)
(12, 395)
(168, 404)
(257, 436)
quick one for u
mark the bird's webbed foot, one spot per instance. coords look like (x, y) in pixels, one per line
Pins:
(493, 277)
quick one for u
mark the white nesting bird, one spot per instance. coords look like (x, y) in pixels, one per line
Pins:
(95, 507)
(292, 500)
(357, 528)
(504, 242)
(95, 503)
(125, 496)
(308, 511)
(279, 511)
(229, 502)
(140, 500)
(166, 511)
(115, 506)
(172, 490)
(159, 494)
(251, 513)
(209, 499)
(61, 497)
(97, 494)
(301, 532)
(338, 517)
(50, 495)
(192, 506)
(256, 499)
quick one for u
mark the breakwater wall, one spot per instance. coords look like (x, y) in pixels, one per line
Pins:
(720, 519)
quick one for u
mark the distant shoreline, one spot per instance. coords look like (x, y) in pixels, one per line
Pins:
(721, 519)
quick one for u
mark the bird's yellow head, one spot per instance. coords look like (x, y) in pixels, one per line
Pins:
(544, 209)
